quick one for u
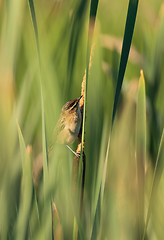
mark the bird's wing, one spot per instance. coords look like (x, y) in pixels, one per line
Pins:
(59, 127)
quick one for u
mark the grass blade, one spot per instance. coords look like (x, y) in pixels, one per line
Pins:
(48, 214)
(32, 10)
(156, 180)
(76, 28)
(96, 223)
(128, 34)
(21, 142)
(26, 197)
(47, 208)
(141, 150)
(26, 153)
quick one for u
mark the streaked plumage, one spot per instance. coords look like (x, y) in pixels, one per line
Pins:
(69, 123)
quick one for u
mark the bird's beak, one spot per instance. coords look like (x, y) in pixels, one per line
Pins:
(80, 97)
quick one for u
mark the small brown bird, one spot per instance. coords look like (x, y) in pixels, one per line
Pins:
(68, 125)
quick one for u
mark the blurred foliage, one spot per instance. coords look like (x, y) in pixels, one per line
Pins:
(62, 34)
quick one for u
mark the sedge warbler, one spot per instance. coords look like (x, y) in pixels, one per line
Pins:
(68, 125)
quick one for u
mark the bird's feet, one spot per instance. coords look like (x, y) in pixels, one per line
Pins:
(77, 154)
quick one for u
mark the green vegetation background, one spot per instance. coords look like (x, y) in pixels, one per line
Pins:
(63, 35)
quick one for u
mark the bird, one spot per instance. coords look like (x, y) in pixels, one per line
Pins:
(68, 125)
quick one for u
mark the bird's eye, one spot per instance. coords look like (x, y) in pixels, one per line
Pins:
(72, 105)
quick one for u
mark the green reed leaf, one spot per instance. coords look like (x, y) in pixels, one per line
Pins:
(26, 197)
(128, 34)
(47, 199)
(141, 149)
(159, 166)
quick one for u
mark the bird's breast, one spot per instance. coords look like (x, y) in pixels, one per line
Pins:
(71, 129)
